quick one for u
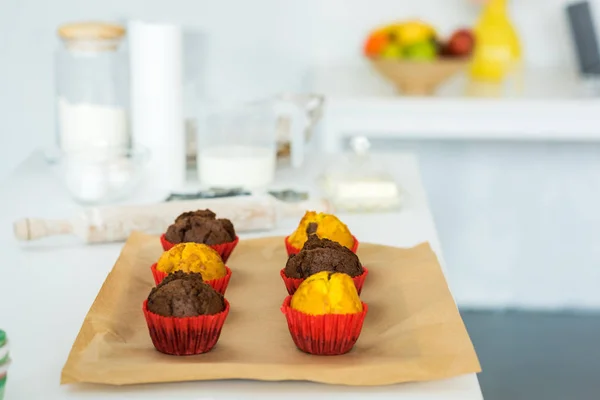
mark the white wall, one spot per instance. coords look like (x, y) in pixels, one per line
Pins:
(254, 46)
(518, 222)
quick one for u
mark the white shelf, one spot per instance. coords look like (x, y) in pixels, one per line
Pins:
(543, 105)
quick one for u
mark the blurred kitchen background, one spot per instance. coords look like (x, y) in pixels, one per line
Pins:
(512, 170)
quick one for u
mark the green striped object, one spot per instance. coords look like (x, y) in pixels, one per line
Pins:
(2, 384)
(4, 357)
(4, 361)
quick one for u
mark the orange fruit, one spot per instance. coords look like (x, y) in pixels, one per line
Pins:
(375, 44)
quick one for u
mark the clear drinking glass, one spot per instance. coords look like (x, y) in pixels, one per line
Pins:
(237, 146)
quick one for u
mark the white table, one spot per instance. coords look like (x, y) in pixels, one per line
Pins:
(47, 288)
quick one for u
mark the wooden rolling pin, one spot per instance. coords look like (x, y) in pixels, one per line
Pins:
(113, 224)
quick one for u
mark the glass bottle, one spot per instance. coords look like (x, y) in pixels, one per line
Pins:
(498, 50)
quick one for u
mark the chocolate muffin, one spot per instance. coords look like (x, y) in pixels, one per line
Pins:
(200, 226)
(322, 255)
(183, 294)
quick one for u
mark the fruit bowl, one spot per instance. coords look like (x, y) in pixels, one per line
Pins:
(415, 58)
(419, 78)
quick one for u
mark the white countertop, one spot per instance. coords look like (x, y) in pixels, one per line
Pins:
(48, 287)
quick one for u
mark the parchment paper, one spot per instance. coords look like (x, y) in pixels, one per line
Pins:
(412, 332)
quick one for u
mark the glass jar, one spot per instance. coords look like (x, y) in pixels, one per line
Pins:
(92, 88)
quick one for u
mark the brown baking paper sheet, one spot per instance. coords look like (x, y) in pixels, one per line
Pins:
(412, 332)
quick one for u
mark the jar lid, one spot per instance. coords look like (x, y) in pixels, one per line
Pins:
(91, 31)
(91, 36)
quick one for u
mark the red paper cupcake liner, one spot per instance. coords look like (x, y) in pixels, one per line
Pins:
(224, 249)
(220, 284)
(292, 284)
(185, 336)
(359, 280)
(327, 335)
(294, 250)
(166, 245)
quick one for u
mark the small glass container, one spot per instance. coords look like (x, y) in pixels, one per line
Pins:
(92, 88)
(101, 176)
(358, 183)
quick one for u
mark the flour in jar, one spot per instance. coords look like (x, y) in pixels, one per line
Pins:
(249, 167)
(84, 126)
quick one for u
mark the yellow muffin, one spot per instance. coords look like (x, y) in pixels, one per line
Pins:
(327, 293)
(193, 257)
(328, 226)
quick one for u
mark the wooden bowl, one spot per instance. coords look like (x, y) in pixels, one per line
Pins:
(419, 78)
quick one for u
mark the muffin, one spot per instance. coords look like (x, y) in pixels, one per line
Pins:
(202, 226)
(184, 314)
(193, 257)
(323, 225)
(325, 316)
(322, 255)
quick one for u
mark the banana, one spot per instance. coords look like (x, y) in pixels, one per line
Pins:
(411, 32)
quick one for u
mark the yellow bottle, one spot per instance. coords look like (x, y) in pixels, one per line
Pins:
(497, 50)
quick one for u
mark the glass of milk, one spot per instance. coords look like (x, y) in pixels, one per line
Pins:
(237, 144)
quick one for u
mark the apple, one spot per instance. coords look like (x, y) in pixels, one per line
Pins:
(422, 51)
(460, 44)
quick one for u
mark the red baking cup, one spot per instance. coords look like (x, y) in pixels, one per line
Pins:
(158, 275)
(359, 280)
(166, 245)
(220, 284)
(224, 249)
(294, 250)
(185, 336)
(327, 335)
(289, 248)
(292, 284)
